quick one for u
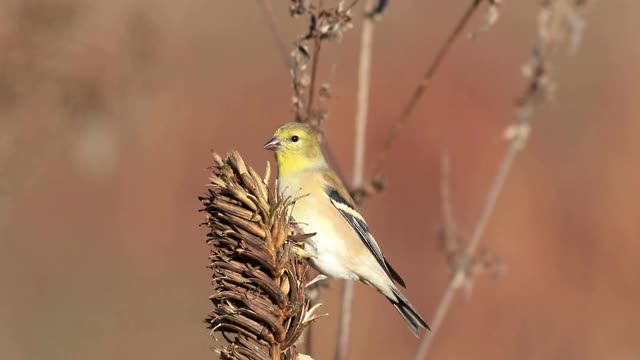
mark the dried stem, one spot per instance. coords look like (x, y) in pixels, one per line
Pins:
(317, 44)
(449, 232)
(552, 26)
(362, 105)
(324, 24)
(424, 84)
(461, 270)
(344, 325)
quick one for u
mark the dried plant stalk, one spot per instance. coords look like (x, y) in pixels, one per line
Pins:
(558, 20)
(260, 307)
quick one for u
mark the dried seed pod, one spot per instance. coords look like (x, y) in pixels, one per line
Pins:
(260, 306)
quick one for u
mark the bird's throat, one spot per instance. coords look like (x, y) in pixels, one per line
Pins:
(290, 163)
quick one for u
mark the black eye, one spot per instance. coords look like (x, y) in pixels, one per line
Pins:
(295, 138)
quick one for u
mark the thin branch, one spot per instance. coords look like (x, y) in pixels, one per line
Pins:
(551, 28)
(449, 232)
(344, 326)
(269, 15)
(460, 273)
(362, 105)
(424, 84)
(312, 84)
(324, 24)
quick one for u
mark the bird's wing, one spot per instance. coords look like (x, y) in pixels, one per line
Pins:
(342, 201)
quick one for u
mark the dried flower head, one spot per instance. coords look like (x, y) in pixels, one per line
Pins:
(260, 307)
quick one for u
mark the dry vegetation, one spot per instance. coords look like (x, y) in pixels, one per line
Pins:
(260, 307)
(108, 110)
(559, 25)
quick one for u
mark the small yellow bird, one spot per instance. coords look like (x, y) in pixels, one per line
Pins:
(343, 247)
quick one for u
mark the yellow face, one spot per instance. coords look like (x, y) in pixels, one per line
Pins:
(296, 146)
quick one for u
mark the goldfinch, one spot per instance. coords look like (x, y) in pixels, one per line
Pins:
(343, 247)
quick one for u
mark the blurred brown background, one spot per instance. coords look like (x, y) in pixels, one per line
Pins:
(108, 111)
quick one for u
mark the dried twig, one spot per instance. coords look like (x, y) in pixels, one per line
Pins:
(449, 233)
(324, 24)
(555, 24)
(344, 323)
(317, 46)
(362, 105)
(260, 307)
(461, 269)
(377, 183)
(424, 84)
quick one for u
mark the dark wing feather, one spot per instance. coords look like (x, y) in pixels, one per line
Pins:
(394, 274)
(347, 210)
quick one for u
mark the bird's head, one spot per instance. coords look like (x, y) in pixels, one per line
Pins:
(296, 146)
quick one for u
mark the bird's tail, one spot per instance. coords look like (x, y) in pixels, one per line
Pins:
(408, 312)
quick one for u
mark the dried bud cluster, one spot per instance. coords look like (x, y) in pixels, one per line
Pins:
(260, 307)
(559, 22)
(324, 24)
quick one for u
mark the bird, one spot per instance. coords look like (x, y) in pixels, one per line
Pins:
(342, 246)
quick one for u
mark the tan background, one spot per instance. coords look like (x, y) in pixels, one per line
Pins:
(108, 111)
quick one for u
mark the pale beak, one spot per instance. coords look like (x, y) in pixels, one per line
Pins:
(272, 144)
